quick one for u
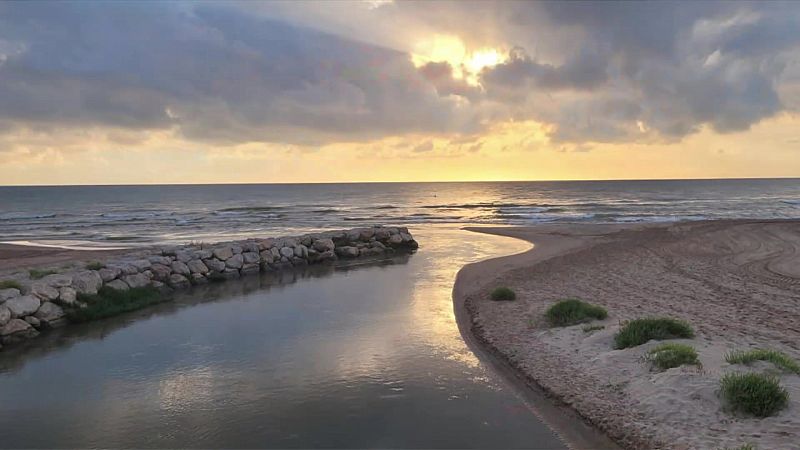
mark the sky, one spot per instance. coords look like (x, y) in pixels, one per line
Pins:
(338, 91)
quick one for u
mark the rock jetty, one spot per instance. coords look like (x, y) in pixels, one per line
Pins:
(41, 304)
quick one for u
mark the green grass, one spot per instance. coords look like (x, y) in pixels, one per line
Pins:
(754, 393)
(37, 274)
(590, 328)
(639, 331)
(111, 302)
(573, 311)
(503, 294)
(10, 284)
(669, 354)
(779, 359)
(95, 265)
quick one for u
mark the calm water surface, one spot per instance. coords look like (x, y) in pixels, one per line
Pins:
(366, 356)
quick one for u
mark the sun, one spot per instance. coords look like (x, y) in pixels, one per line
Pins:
(467, 64)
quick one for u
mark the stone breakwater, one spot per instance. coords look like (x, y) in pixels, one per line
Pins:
(42, 303)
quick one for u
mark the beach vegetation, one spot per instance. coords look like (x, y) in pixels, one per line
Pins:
(590, 328)
(639, 331)
(754, 393)
(111, 302)
(503, 293)
(95, 265)
(37, 274)
(670, 354)
(573, 311)
(10, 284)
(779, 359)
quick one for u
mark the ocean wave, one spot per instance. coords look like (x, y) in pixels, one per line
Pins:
(246, 209)
(791, 202)
(26, 216)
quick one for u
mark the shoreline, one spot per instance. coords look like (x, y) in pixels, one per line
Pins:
(604, 387)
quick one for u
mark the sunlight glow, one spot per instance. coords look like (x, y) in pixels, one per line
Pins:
(466, 64)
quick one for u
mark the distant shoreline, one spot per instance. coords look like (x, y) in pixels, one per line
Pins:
(733, 280)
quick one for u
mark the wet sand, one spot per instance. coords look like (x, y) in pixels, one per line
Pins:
(736, 282)
(14, 256)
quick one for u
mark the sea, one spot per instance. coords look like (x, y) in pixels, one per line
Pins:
(128, 216)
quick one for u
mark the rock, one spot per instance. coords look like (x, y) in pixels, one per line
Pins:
(371, 251)
(382, 234)
(44, 291)
(197, 266)
(366, 234)
(323, 245)
(301, 251)
(395, 240)
(286, 242)
(406, 237)
(87, 282)
(250, 268)
(16, 330)
(33, 321)
(198, 278)
(306, 240)
(125, 268)
(161, 272)
(250, 247)
(287, 252)
(50, 313)
(267, 257)
(157, 284)
(141, 264)
(23, 306)
(203, 254)
(139, 280)
(5, 315)
(236, 249)
(169, 251)
(235, 262)
(251, 258)
(214, 265)
(223, 253)
(67, 296)
(163, 260)
(119, 285)
(376, 244)
(6, 294)
(109, 273)
(180, 268)
(347, 251)
(276, 253)
(265, 244)
(57, 280)
(313, 255)
(230, 273)
(184, 256)
(178, 281)
(329, 255)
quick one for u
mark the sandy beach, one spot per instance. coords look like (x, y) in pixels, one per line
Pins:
(736, 282)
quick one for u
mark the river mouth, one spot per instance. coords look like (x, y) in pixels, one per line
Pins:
(362, 356)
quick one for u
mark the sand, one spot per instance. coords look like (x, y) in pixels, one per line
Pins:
(736, 282)
(19, 257)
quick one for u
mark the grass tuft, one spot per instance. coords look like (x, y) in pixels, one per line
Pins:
(590, 328)
(754, 393)
(10, 284)
(573, 311)
(111, 302)
(37, 274)
(639, 331)
(95, 265)
(669, 354)
(779, 359)
(503, 294)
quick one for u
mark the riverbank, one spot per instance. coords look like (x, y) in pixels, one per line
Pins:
(735, 282)
(51, 286)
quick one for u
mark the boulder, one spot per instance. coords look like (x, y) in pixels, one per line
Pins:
(163, 260)
(119, 285)
(184, 256)
(329, 255)
(67, 296)
(197, 266)
(347, 251)
(276, 253)
(237, 249)
(323, 245)
(267, 257)
(366, 234)
(15, 330)
(235, 262)
(87, 282)
(49, 313)
(251, 258)
(287, 252)
(44, 291)
(126, 268)
(250, 268)
(5, 315)
(265, 244)
(223, 253)
(313, 255)
(306, 240)
(198, 278)
(250, 247)
(109, 273)
(214, 265)
(178, 281)
(203, 254)
(23, 306)
(36, 323)
(382, 234)
(395, 240)
(161, 272)
(301, 251)
(180, 268)
(141, 264)
(6, 294)
(230, 273)
(139, 280)
(57, 280)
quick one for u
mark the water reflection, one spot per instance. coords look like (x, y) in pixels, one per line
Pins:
(366, 356)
